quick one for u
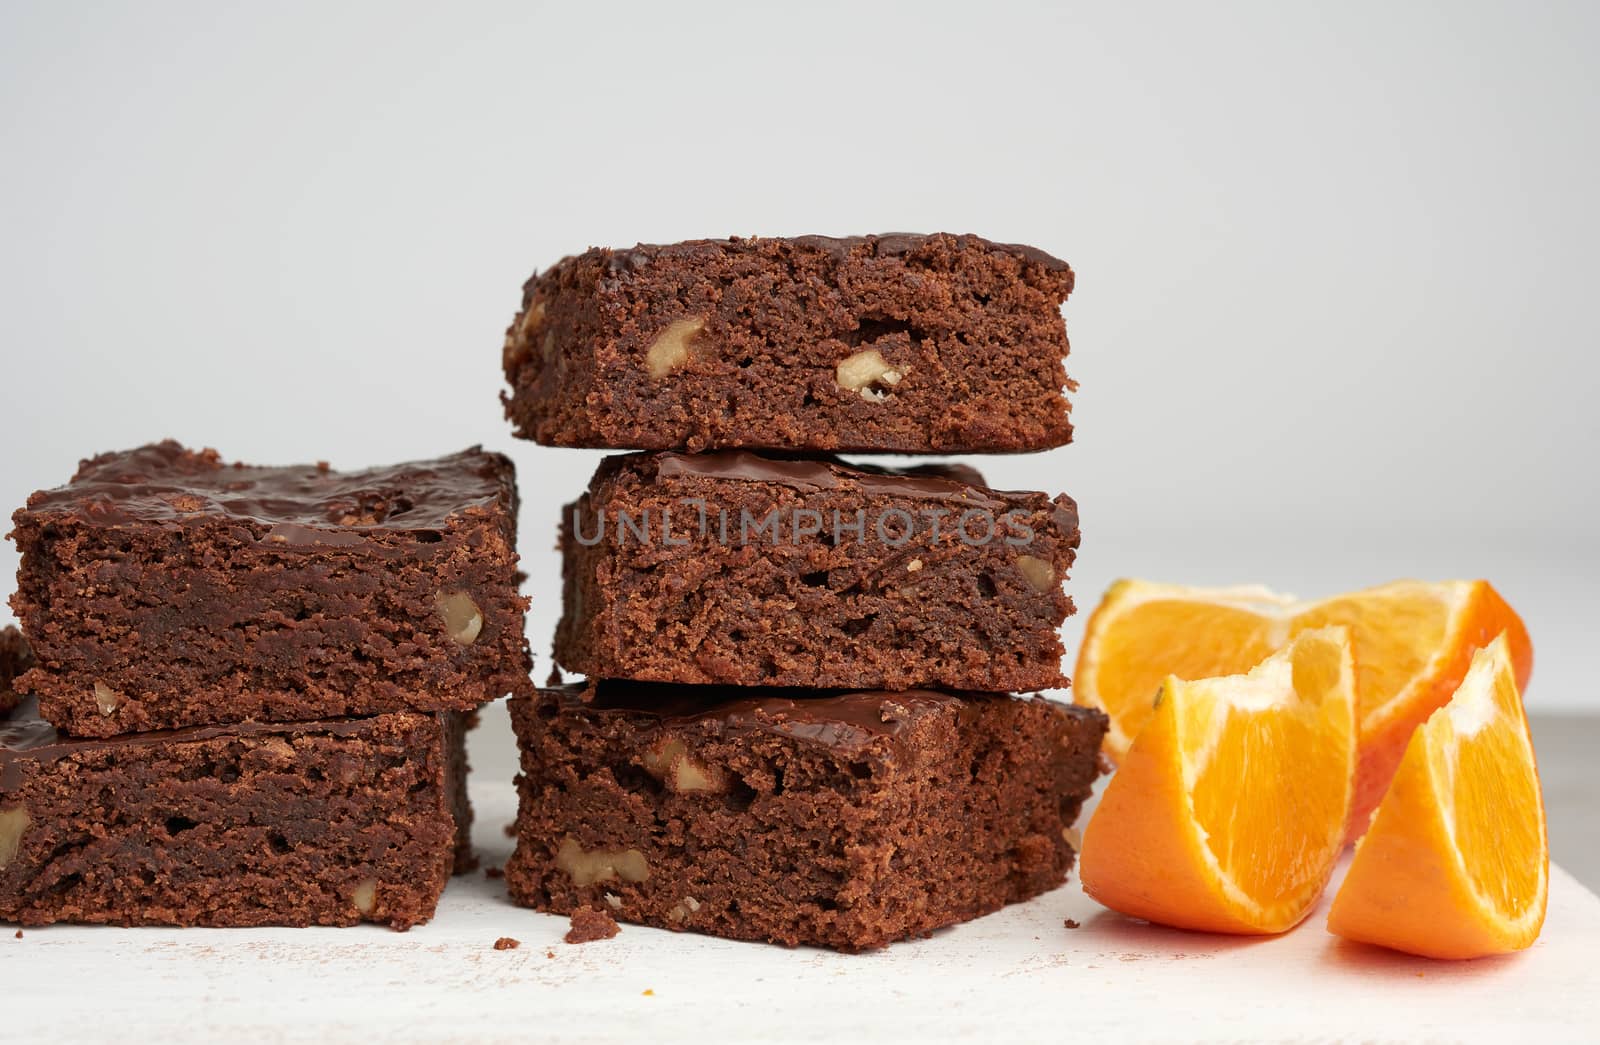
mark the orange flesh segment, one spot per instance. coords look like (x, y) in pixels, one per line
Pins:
(1190, 637)
(1274, 844)
(1412, 643)
(1397, 632)
(1483, 768)
(1456, 864)
(1229, 813)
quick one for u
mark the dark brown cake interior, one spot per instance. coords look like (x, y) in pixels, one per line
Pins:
(317, 823)
(15, 658)
(942, 581)
(163, 588)
(900, 342)
(843, 820)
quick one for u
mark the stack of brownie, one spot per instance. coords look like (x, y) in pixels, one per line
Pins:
(249, 688)
(797, 722)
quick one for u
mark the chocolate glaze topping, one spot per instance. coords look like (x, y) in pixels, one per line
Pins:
(887, 244)
(892, 243)
(937, 482)
(740, 465)
(26, 736)
(300, 504)
(841, 719)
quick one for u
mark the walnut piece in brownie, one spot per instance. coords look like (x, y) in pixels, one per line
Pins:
(589, 925)
(15, 658)
(841, 820)
(899, 342)
(164, 588)
(315, 823)
(733, 568)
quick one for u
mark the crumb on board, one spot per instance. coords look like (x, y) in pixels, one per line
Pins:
(507, 943)
(589, 925)
(648, 992)
(549, 954)
(19, 934)
(1071, 923)
(494, 872)
(511, 829)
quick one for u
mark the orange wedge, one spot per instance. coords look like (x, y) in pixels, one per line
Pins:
(1457, 862)
(1412, 642)
(1228, 812)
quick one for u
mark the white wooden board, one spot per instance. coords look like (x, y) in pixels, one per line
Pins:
(1018, 975)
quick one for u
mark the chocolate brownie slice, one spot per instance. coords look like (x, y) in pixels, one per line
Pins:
(732, 568)
(312, 823)
(843, 820)
(15, 658)
(163, 588)
(906, 343)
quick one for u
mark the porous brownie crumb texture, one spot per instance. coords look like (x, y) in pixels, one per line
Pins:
(310, 824)
(456, 726)
(857, 612)
(914, 344)
(589, 925)
(820, 834)
(162, 588)
(15, 658)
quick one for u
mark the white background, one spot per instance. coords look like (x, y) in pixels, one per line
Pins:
(1336, 312)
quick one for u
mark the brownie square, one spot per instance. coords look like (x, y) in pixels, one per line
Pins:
(313, 823)
(842, 820)
(733, 568)
(162, 588)
(905, 343)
